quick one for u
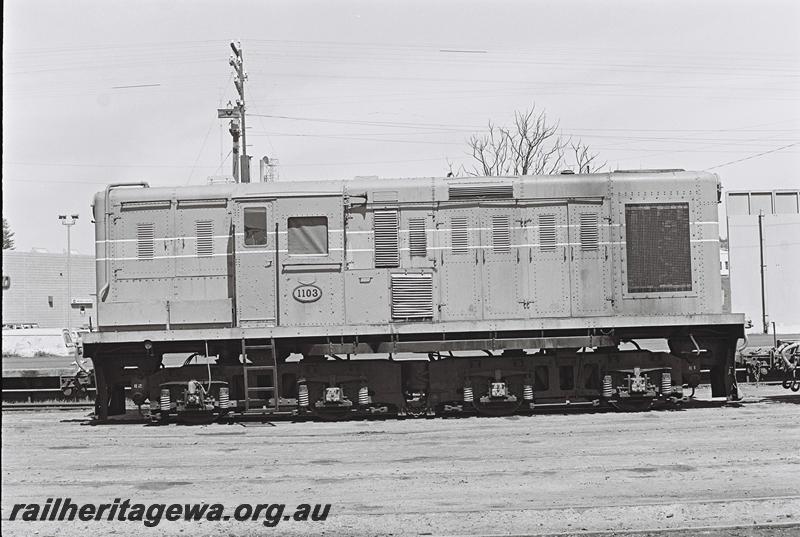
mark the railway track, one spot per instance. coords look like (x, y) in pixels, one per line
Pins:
(20, 407)
(713, 472)
(32, 405)
(787, 529)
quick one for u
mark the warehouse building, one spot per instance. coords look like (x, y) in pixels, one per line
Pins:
(35, 290)
(765, 225)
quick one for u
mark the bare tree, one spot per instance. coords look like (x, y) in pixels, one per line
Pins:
(585, 159)
(459, 171)
(531, 146)
(8, 236)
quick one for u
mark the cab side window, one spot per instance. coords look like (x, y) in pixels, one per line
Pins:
(308, 235)
(255, 226)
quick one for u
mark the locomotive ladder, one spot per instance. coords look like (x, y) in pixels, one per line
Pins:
(252, 392)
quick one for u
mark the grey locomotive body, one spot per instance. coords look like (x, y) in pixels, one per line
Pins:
(572, 266)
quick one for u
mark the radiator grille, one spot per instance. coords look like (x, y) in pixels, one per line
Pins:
(481, 192)
(658, 247)
(412, 296)
(501, 234)
(459, 235)
(204, 233)
(547, 232)
(590, 236)
(145, 240)
(387, 254)
(417, 240)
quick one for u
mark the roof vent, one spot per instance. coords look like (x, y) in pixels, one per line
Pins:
(497, 191)
(654, 170)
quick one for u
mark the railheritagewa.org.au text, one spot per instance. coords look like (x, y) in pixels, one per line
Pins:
(153, 514)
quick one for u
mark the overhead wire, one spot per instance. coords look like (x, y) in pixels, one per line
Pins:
(753, 156)
(615, 60)
(208, 132)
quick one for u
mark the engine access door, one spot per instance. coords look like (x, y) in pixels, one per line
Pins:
(311, 257)
(590, 259)
(546, 255)
(460, 271)
(255, 260)
(502, 263)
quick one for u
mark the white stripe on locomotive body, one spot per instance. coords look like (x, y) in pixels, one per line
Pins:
(262, 251)
(367, 232)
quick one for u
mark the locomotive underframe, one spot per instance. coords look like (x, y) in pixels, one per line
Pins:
(576, 360)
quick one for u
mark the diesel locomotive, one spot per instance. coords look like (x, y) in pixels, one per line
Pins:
(410, 297)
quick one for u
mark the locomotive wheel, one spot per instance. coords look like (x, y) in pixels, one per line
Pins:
(632, 405)
(196, 418)
(497, 409)
(332, 413)
(786, 383)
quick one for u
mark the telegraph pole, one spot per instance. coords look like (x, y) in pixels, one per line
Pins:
(69, 223)
(234, 130)
(237, 62)
(238, 128)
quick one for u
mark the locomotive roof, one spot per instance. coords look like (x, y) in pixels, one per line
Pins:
(595, 184)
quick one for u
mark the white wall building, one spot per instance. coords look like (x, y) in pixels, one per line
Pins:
(779, 215)
(37, 292)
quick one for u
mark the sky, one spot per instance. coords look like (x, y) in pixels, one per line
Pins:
(100, 91)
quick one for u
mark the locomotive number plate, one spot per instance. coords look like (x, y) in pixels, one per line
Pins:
(307, 293)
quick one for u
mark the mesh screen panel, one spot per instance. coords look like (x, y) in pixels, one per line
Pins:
(658, 247)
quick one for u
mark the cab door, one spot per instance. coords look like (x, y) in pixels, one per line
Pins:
(311, 257)
(255, 260)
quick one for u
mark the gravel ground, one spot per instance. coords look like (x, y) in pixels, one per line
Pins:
(730, 470)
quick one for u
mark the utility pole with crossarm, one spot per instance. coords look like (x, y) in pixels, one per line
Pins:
(241, 163)
(237, 62)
